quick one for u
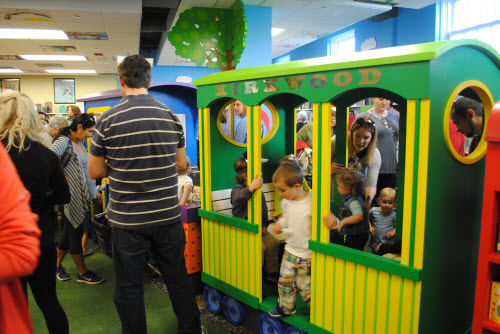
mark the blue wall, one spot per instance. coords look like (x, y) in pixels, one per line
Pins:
(412, 26)
(258, 49)
(416, 26)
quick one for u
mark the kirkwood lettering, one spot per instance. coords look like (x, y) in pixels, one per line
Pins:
(363, 77)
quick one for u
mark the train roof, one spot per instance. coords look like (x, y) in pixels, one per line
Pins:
(378, 57)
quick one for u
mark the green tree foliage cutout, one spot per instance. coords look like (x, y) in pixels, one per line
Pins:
(212, 35)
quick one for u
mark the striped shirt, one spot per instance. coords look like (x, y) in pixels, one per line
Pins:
(139, 137)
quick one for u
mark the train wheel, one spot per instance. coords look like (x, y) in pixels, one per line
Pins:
(269, 325)
(294, 330)
(233, 310)
(213, 299)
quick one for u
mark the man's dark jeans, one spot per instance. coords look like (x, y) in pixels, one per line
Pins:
(130, 251)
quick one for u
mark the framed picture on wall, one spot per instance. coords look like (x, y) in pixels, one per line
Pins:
(64, 91)
(14, 84)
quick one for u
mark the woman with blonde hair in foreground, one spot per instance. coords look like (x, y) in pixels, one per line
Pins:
(39, 170)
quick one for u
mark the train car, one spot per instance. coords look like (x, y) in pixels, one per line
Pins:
(431, 289)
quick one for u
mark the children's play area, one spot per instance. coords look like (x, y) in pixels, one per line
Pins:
(433, 287)
(443, 280)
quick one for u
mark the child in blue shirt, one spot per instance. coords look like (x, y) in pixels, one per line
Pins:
(382, 221)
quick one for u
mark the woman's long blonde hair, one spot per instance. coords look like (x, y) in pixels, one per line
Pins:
(368, 124)
(18, 120)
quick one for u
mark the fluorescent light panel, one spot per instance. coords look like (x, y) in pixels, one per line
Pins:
(72, 71)
(10, 70)
(9, 33)
(54, 57)
(276, 31)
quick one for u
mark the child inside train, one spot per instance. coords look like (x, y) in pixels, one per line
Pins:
(382, 221)
(277, 198)
(351, 225)
(296, 221)
(185, 184)
(240, 195)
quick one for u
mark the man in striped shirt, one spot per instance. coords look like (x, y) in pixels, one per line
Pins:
(139, 145)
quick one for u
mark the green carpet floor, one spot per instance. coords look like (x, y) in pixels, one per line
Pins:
(90, 308)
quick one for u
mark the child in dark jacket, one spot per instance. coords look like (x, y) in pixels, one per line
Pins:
(240, 195)
(351, 225)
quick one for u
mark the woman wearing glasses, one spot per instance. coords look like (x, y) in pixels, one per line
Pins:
(387, 124)
(363, 155)
(69, 147)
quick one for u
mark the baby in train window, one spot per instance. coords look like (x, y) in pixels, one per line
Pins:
(351, 227)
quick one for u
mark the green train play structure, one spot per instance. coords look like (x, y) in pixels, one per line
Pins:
(431, 290)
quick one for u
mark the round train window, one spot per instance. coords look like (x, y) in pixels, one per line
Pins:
(232, 122)
(466, 113)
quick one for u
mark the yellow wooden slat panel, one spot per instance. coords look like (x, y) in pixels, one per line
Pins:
(319, 280)
(234, 255)
(359, 302)
(239, 256)
(416, 310)
(329, 294)
(349, 297)
(339, 302)
(383, 287)
(394, 305)
(370, 305)
(227, 264)
(408, 186)
(326, 148)
(314, 288)
(210, 248)
(423, 159)
(408, 305)
(245, 262)
(206, 248)
(217, 249)
(315, 173)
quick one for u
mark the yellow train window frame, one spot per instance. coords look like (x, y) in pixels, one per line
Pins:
(270, 134)
(487, 100)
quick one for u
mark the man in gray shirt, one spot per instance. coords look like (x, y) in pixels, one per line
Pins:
(139, 144)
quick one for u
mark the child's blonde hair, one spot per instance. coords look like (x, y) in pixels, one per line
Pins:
(388, 193)
(289, 173)
(188, 164)
(290, 158)
(352, 179)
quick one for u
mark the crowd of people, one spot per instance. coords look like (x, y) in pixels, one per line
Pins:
(49, 167)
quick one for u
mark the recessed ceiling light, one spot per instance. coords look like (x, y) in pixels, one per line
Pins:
(276, 31)
(8, 33)
(10, 70)
(54, 57)
(72, 71)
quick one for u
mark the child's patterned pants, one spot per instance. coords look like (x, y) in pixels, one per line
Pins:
(295, 274)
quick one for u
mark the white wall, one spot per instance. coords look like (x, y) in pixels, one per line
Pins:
(40, 88)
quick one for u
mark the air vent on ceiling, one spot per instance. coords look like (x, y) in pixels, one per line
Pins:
(384, 16)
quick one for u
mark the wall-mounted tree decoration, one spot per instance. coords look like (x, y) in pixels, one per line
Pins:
(214, 36)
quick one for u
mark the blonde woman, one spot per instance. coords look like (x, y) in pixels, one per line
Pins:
(363, 155)
(39, 169)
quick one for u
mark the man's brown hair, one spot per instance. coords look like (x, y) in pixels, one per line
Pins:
(135, 71)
